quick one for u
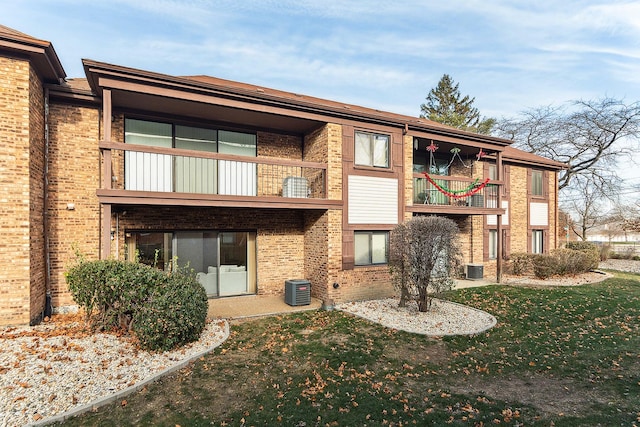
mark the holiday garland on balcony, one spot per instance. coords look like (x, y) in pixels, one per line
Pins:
(472, 189)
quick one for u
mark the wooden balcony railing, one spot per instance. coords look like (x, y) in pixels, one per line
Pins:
(426, 193)
(142, 168)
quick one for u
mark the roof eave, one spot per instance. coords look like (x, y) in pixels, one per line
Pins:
(40, 52)
(94, 69)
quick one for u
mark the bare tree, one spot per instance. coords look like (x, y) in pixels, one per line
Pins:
(628, 216)
(426, 253)
(590, 136)
(587, 202)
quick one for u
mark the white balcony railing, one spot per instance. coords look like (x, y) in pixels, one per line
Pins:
(156, 169)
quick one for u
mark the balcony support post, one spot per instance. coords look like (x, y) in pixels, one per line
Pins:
(106, 124)
(105, 227)
(499, 220)
(105, 232)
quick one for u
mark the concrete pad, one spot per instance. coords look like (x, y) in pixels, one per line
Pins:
(462, 283)
(254, 306)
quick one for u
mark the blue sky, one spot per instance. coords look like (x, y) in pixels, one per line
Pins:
(509, 55)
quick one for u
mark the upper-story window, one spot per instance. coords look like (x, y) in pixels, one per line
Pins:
(372, 149)
(436, 164)
(536, 183)
(493, 172)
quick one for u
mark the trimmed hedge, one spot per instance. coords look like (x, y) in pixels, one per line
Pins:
(560, 262)
(132, 296)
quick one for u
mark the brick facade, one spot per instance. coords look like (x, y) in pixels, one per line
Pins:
(15, 298)
(73, 208)
(51, 168)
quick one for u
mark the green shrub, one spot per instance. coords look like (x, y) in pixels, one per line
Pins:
(110, 290)
(174, 314)
(117, 294)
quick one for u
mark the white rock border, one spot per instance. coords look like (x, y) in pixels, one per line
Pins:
(445, 318)
(102, 401)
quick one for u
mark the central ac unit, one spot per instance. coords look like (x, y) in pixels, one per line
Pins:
(474, 271)
(297, 292)
(295, 186)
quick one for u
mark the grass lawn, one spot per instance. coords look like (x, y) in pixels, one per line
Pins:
(565, 356)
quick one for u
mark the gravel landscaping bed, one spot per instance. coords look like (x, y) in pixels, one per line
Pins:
(57, 367)
(630, 266)
(444, 318)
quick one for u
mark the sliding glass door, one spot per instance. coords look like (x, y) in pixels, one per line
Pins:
(237, 178)
(224, 261)
(189, 174)
(148, 171)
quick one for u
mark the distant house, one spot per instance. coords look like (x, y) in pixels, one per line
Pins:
(613, 232)
(251, 186)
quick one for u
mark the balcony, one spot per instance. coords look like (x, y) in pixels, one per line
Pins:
(139, 174)
(427, 198)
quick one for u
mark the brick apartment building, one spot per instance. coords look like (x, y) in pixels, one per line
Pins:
(252, 186)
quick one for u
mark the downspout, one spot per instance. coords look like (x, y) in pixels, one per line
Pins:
(45, 220)
(471, 242)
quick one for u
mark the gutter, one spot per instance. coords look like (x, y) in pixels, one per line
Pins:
(47, 253)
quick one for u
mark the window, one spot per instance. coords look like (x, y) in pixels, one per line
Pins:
(493, 244)
(536, 183)
(372, 149)
(371, 247)
(493, 172)
(537, 239)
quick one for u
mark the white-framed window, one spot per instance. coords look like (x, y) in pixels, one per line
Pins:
(372, 149)
(493, 244)
(536, 183)
(371, 247)
(537, 241)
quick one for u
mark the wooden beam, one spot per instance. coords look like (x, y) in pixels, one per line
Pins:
(499, 242)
